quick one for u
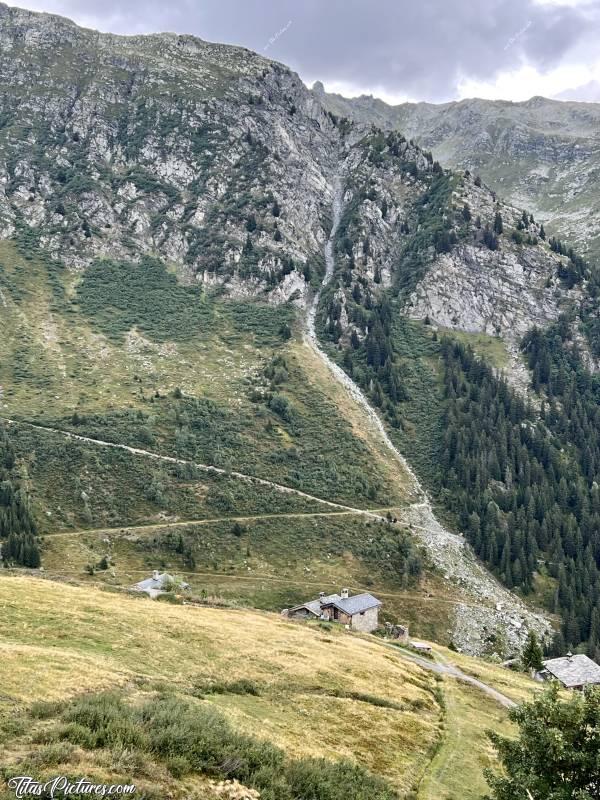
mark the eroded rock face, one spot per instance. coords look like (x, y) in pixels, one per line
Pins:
(542, 155)
(502, 292)
(208, 156)
(489, 271)
(499, 293)
(222, 163)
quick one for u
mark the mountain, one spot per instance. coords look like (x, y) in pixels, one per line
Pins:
(231, 314)
(162, 145)
(170, 209)
(273, 351)
(542, 155)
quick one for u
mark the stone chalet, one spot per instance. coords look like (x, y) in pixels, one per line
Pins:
(158, 584)
(574, 672)
(360, 612)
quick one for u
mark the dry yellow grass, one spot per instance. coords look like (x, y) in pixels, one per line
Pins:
(59, 640)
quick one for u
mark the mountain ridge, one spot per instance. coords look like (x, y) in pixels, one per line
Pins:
(158, 227)
(541, 154)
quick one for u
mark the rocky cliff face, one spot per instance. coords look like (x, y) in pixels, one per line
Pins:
(500, 292)
(222, 163)
(543, 155)
(443, 241)
(211, 157)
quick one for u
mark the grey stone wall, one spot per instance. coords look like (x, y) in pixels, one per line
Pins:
(367, 621)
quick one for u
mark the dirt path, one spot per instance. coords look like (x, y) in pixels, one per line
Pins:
(184, 523)
(447, 668)
(209, 468)
(409, 516)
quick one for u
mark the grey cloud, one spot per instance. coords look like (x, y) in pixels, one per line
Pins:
(588, 93)
(404, 47)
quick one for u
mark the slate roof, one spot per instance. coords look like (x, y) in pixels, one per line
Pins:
(151, 583)
(349, 605)
(156, 583)
(352, 605)
(573, 671)
(314, 606)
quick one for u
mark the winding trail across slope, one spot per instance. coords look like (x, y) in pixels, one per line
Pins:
(447, 550)
(447, 668)
(209, 468)
(188, 523)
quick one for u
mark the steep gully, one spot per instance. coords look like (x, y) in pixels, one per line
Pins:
(488, 606)
(447, 550)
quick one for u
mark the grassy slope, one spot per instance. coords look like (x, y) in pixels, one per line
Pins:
(56, 360)
(58, 641)
(273, 562)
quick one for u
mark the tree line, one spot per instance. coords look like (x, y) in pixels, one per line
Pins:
(522, 483)
(18, 541)
(524, 487)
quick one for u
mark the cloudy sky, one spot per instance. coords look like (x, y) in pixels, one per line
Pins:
(434, 50)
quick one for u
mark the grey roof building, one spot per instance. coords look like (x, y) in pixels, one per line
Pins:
(158, 584)
(359, 612)
(574, 672)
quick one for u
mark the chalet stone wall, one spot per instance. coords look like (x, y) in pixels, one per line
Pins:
(366, 622)
(300, 613)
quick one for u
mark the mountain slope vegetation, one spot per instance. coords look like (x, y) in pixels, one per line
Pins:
(165, 204)
(540, 154)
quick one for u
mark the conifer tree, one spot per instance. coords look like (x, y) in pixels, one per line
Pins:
(532, 653)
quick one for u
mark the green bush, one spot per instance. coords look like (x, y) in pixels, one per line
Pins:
(242, 686)
(117, 296)
(178, 766)
(52, 754)
(269, 324)
(281, 406)
(193, 737)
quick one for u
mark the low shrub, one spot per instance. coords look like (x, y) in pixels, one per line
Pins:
(193, 737)
(53, 754)
(242, 686)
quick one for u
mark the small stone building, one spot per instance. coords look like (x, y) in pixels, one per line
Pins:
(360, 612)
(158, 584)
(398, 632)
(574, 672)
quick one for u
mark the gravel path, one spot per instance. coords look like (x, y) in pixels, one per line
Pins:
(446, 668)
(279, 487)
